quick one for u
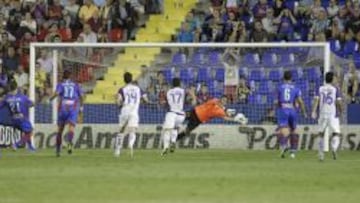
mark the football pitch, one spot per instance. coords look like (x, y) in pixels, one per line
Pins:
(90, 176)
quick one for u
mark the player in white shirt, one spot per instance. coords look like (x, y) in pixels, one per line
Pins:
(174, 117)
(129, 98)
(328, 99)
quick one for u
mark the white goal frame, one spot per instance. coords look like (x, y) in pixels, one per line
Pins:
(33, 46)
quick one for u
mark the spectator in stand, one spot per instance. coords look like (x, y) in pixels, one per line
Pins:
(72, 8)
(351, 82)
(99, 3)
(162, 94)
(25, 41)
(321, 23)
(151, 94)
(43, 32)
(53, 32)
(55, 11)
(217, 4)
(87, 10)
(332, 9)
(354, 21)
(102, 35)
(16, 13)
(190, 95)
(260, 8)
(269, 24)
(105, 12)
(39, 11)
(40, 77)
(144, 80)
(46, 62)
(88, 35)
(3, 81)
(203, 95)
(65, 31)
(11, 61)
(5, 43)
(95, 22)
(29, 23)
(258, 34)
(286, 21)
(278, 8)
(185, 34)
(5, 8)
(22, 79)
(238, 33)
(232, 5)
(243, 91)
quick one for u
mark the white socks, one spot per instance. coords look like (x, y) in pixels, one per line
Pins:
(174, 134)
(166, 138)
(335, 142)
(132, 139)
(118, 143)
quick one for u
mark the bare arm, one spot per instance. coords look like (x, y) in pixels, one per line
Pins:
(302, 106)
(315, 105)
(339, 106)
(53, 96)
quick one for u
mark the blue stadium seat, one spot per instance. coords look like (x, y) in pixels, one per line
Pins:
(220, 74)
(286, 59)
(303, 85)
(295, 74)
(214, 58)
(185, 76)
(356, 58)
(256, 75)
(250, 59)
(350, 47)
(167, 75)
(313, 73)
(264, 87)
(269, 59)
(335, 47)
(198, 58)
(179, 58)
(275, 75)
(203, 75)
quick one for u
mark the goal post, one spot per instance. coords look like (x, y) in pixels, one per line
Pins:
(156, 63)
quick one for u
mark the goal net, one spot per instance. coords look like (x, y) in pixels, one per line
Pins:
(247, 73)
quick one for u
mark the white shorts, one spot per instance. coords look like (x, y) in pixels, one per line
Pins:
(173, 120)
(332, 123)
(129, 120)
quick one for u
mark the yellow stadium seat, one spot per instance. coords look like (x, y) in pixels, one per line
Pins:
(159, 28)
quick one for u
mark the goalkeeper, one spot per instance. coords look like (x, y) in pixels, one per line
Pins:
(213, 108)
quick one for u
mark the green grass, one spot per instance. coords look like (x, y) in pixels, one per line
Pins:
(90, 176)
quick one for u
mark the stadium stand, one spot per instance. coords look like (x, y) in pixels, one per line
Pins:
(22, 22)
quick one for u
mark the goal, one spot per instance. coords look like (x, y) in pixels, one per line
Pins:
(247, 73)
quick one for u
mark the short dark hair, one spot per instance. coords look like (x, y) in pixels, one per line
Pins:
(66, 74)
(176, 82)
(329, 77)
(287, 75)
(13, 85)
(127, 77)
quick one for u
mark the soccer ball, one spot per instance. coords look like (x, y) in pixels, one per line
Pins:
(241, 118)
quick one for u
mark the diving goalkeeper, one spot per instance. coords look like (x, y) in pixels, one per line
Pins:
(213, 108)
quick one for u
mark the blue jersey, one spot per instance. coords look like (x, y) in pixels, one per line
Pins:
(287, 94)
(18, 105)
(70, 94)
